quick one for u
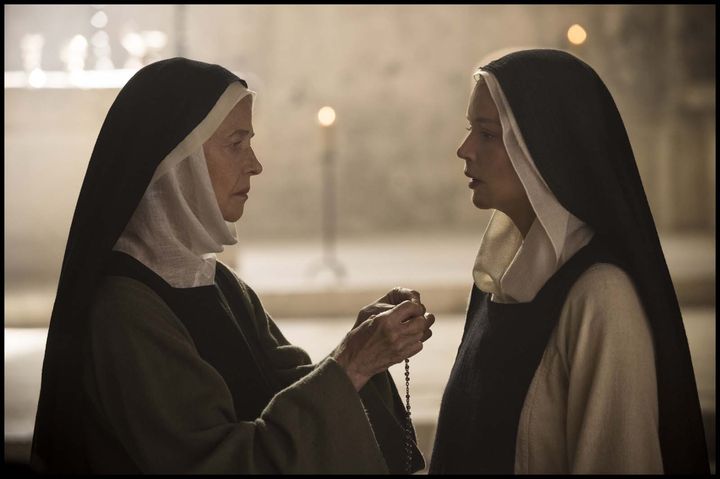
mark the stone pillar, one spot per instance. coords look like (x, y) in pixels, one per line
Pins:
(664, 187)
(683, 181)
(692, 153)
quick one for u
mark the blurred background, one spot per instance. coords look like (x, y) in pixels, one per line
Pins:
(363, 197)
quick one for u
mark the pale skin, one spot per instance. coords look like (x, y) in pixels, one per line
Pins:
(231, 160)
(388, 330)
(494, 182)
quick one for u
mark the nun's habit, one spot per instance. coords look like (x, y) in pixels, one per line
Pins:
(159, 359)
(574, 357)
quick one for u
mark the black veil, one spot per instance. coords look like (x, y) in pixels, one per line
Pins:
(158, 107)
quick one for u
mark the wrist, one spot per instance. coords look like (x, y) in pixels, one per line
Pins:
(357, 378)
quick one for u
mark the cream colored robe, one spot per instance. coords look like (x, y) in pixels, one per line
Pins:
(592, 405)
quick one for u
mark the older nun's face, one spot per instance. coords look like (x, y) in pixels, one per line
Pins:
(231, 160)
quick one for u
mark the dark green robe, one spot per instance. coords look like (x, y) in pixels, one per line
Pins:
(154, 405)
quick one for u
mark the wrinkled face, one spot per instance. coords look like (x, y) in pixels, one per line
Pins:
(494, 182)
(231, 160)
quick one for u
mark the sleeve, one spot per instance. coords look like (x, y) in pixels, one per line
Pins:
(387, 416)
(607, 348)
(379, 396)
(173, 412)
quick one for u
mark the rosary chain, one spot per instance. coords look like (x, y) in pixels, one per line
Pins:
(408, 421)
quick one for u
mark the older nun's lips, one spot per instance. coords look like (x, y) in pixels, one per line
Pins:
(243, 192)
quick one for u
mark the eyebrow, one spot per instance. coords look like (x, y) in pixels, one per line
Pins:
(482, 119)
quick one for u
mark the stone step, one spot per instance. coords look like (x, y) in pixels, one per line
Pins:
(291, 282)
(34, 308)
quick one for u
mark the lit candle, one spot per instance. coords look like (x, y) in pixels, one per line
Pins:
(576, 37)
(326, 118)
(576, 34)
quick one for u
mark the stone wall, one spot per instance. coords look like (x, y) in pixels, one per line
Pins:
(398, 77)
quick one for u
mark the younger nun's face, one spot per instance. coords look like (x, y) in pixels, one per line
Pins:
(494, 182)
(231, 160)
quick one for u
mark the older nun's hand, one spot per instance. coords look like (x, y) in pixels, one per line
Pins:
(383, 339)
(394, 297)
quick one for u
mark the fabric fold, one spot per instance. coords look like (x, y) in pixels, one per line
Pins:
(507, 265)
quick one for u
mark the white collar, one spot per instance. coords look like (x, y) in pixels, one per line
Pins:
(510, 268)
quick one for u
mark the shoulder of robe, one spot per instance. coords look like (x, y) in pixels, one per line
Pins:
(606, 286)
(602, 305)
(244, 286)
(123, 304)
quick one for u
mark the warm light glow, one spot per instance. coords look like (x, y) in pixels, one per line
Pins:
(155, 39)
(75, 53)
(100, 39)
(326, 116)
(134, 44)
(576, 34)
(99, 20)
(37, 78)
(31, 48)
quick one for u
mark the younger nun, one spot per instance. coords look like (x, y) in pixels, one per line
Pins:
(574, 358)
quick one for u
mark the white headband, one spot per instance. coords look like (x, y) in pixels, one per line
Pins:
(511, 268)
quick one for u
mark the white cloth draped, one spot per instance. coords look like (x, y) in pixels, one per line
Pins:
(178, 227)
(514, 269)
